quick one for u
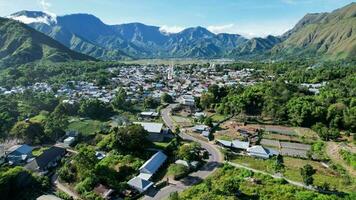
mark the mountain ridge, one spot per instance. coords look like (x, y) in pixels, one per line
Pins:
(20, 44)
(316, 34)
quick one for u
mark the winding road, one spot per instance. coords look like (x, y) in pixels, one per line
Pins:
(215, 159)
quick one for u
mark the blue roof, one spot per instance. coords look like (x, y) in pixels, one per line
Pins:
(140, 184)
(154, 163)
(22, 149)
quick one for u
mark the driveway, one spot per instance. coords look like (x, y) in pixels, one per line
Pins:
(215, 159)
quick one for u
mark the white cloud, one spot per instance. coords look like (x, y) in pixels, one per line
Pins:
(250, 30)
(227, 28)
(171, 29)
(45, 4)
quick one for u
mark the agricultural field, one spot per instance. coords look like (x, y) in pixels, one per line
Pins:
(85, 126)
(324, 173)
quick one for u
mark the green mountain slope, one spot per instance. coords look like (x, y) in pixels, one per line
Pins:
(327, 35)
(20, 44)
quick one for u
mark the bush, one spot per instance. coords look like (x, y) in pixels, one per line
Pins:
(349, 157)
(178, 171)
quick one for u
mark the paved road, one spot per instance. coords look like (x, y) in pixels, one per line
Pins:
(215, 158)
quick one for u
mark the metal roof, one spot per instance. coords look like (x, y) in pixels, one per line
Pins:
(225, 143)
(154, 163)
(22, 149)
(240, 144)
(151, 127)
(139, 184)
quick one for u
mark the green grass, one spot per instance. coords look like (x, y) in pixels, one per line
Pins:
(85, 127)
(38, 118)
(39, 151)
(259, 164)
(218, 117)
(292, 171)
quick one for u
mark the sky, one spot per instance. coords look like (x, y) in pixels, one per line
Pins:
(250, 18)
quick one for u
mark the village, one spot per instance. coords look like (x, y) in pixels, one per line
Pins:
(249, 144)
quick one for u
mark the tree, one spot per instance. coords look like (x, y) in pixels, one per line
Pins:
(307, 172)
(278, 164)
(326, 133)
(206, 100)
(85, 161)
(120, 100)
(150, 102)
(305, 111)
(95, 109)
(56, 123)
(177, 171)
(208, 121)
(189, 152)
(174, 196)
(29, 132)
(166, 98)
(131, 138)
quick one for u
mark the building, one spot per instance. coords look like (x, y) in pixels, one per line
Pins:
(19, 154)
(187, 100)
(48, 197)
(151, 166)
(69, 141)
(149, 115)
(48, 159)
(154, 130)
(141, 182)
(201, 128)
(260, 152)
(235, 144)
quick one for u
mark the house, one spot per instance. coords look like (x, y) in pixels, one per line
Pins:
(151, 166)
(182, 162)
(69, 141)
(199, 115)
(141, 182)
(235, 144)
(200, 128)
(154, 130)
(48, 197)
(205, 134)
(100, 155)
(149, 115)
(260, 152)
(48, 159)
(103, 191)
(19, 154)
(187, 100)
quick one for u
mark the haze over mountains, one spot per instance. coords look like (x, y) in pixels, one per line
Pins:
(327, 35)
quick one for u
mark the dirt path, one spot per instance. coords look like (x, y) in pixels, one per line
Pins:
(332, 149)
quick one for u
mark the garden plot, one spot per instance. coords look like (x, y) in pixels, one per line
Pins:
(288, 148)
(182, 121)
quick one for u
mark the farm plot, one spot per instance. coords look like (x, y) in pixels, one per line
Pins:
(288, 148)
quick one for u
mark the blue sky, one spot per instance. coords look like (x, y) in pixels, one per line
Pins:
(247, 17)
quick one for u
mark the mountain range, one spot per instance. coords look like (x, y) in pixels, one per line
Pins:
(325, 35)
(89, 35)
(20, 44)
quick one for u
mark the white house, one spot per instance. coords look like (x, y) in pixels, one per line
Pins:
(187, 100)
(141, 182)
(260, 152)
